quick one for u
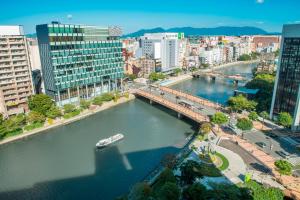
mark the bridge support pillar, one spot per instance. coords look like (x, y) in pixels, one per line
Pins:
(179, 115)
(213, 78)
(151, 102)
(235, 82)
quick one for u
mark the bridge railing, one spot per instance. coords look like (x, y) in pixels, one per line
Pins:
(178, 108)
(194, 98)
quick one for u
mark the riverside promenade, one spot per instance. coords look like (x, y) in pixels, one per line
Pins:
(61, 121)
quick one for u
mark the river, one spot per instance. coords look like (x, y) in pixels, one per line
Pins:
(64, 164)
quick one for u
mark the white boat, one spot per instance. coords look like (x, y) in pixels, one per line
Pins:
(105, 142)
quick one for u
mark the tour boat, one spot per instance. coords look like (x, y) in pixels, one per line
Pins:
(105, 142)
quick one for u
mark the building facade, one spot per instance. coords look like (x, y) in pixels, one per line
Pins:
(80, 62)
(163, 46)
(286, 95)
(15, 71)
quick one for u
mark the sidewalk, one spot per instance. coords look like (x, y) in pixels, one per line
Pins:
(62, 121)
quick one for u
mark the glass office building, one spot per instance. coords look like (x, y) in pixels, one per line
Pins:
(286, 90)
(79, 62)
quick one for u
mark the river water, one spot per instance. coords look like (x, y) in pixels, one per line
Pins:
(63, 163)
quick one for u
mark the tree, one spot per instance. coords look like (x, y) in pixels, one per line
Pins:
(240, 103)
(244, 124)
(68, 108)
(284, 167)
(12, 125)
(253, 116)
(194, 192)
(97, 101)
(264, 115)
(35, 117)
(169, 191)
(84, 104)
(244, 57)
(154, 76)
(166, 176)
(107, 96)
(219, 118)
(265, 84)
(258, 191)
(1, 118)
(140, 191)
(40, 103)
(169, 160)
(190, 171)
(177, 71)
(131, 76)
(285, 119)
(53, 112)
(205, 128)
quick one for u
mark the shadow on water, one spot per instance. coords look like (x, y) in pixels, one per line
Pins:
(98, 185)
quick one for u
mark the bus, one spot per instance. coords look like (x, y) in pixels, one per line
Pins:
(186, 104)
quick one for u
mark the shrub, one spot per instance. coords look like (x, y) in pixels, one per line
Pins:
(35, 117)
(244, 124)
(107, 96)
(50, 121)
(126, 94)
(97, 101)
(71, 114)
(285, 119)
(84, 104)
(284, 167)
(53, 112)
(253, 116)
(169, 191)
(33, 126)
(68, 108)
(205, 128)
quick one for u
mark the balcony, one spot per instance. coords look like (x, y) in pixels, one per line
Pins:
(20, 64)
(25, 94)
(11, 91)
(17, 52)
(21, 74)
(20, 69)
(7, 87)
(18, 58)
(22, 79)
(17, 47)
(6, 70)
(10, 97)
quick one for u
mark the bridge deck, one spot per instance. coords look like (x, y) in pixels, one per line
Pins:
(196, 116)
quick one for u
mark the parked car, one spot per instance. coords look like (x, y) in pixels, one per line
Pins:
(261, 144)
(283, 154)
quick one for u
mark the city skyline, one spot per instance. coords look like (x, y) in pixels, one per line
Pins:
(265, 14)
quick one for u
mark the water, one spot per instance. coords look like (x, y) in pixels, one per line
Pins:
(219, 90)
(63, 163)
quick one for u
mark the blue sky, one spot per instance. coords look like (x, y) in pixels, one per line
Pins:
(132, 15)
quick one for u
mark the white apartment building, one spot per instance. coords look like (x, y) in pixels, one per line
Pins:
(163, 46)
(15, 71)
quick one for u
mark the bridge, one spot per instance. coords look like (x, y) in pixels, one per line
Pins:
(213, 74)
(184, 104)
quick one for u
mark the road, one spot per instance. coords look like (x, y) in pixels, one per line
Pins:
(197, 107)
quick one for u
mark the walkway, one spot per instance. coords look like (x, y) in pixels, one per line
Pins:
(196, 116)
(292, 184)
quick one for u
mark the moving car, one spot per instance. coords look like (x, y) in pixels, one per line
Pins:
(282, 154)
(261, 144)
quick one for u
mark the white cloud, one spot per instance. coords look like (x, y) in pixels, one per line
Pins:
(69, 16)
(260, 1)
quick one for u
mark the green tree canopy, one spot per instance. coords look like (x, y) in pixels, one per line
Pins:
(205, 128)
(154, 76)
(190, 171)
(284, 167)
(240, 103)
(12, 125)
(35, 117)
(285, 119)
(244, 57)
(177, 71)
(264, 115)
(169, 191)
(219, 118)
(68, 108)
(265, 84)
(53, 112)
(166, 176)
(253, 116)
(140, 191)
(194, 192)
(40, 103)
(244, 124)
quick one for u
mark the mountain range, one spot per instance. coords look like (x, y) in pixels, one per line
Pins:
(222, 30)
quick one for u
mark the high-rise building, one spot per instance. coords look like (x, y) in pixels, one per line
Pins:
(163, 46)
(79, 62)
(15, 71)
(286, 95)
